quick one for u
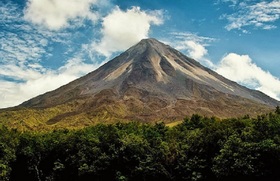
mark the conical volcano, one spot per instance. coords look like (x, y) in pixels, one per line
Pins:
(150, 81)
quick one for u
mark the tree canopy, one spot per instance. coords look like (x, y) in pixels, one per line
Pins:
(200, 148)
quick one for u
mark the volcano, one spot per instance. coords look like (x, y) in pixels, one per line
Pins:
(149, 82)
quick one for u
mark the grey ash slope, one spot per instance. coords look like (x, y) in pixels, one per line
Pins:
(152, 81)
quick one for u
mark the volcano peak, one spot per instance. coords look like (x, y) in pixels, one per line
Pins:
(152, 81)
(150, 41)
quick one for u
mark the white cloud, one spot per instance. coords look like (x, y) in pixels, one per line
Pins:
(57, 14)
(121, 29)
(196, 50)
(6, 15)
(194, 45)
(233, 2)
(241, 69)
(24, 47)
(18, 72)
(259, 15)
(13, 93)
(21, 43)
(238, 68)
(77, 67)
(22, 50)
(35, 83)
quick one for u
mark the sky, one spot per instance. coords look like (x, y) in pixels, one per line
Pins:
(45, 44)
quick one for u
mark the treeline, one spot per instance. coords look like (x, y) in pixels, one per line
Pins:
(200, 148)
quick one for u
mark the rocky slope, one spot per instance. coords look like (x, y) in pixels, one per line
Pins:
(149, 82)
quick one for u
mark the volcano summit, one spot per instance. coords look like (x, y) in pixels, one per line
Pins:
(149, 82)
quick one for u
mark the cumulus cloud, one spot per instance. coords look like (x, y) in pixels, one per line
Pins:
(241, 69)
(196, 50)
(259, 15)
(57, 14)
(238, 68)
(121, 29)
(193, 45)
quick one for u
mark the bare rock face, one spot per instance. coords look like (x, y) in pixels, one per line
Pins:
(150, 82)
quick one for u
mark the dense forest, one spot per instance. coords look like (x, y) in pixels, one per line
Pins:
(199, 148)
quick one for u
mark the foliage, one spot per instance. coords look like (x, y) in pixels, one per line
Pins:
(199, 148)
(8, 146)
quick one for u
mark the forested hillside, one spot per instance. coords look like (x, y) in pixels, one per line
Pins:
(199, 148)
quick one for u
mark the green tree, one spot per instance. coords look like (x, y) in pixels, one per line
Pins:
(8, 145)
(277, 110)
(237, 159)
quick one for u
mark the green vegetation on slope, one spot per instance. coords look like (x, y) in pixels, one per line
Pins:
(199, 148)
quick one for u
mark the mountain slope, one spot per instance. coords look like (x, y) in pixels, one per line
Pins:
(149, 82)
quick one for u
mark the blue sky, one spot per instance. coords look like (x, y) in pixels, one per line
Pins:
(47, 43)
